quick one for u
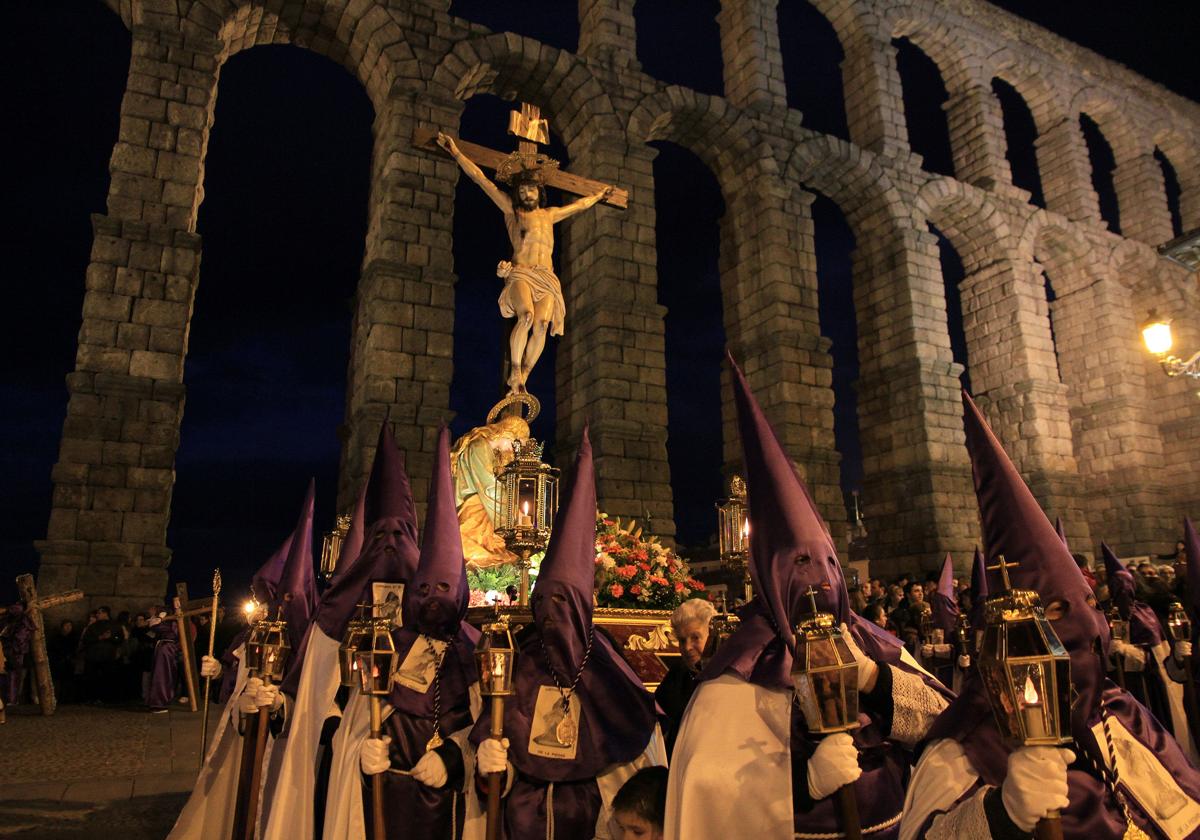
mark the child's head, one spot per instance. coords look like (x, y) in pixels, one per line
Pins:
(640, 805)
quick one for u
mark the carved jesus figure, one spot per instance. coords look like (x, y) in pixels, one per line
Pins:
(532, 292)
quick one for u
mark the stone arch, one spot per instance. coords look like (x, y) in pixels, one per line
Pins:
(1114, 122)
(1178, 145)
(1027, 77)
(1060, 247)
(939, 34)
(969, 218)
(515, 67)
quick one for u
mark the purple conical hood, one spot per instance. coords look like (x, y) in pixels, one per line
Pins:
(1120, 581)
(436, 598)
(1062, 534)
(389, 543)
(568, 571)
(1016, 527)
(944, 602)
(296, 600)
(979, 588)
(266, 580)
(1191, 544)
(389, 493)
(790, 547)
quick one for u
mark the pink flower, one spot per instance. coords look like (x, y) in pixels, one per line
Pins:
(616, 590)
(678, 587)
(635, 590)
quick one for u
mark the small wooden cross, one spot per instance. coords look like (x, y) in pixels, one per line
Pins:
(41, 662)
(811, 592)
(184, 610)
(1003, 566)
(530, 129)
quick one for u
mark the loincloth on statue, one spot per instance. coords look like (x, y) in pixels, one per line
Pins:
(542, 282)
(482, 548)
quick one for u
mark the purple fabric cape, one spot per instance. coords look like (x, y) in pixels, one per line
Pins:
(164, 671)
(384, 550)
(1016, 527)
(979, 589)
(944, 603)
(617, 713)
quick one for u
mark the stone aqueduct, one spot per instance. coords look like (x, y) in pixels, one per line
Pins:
(1106, 441)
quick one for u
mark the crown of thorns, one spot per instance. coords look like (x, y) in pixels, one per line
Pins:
(520, 168)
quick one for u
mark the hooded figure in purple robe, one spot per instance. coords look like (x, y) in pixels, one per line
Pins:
(580, 721)
(262, 589)
(319, 742)
(1151, 673)
(744, 764)
(164, 672)
(423, 762)
(970, 783)
(16, 634)
(947, 658)
(209, 810)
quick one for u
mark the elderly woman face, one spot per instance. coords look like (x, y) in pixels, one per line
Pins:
(692, 637)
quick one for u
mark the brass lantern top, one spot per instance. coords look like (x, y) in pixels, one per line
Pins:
(268, 649)
(331, 545)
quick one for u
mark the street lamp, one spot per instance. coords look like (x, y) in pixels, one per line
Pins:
(1156, 334)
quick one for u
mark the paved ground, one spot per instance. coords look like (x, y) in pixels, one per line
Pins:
(90, 772)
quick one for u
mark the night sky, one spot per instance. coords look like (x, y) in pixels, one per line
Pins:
(283, 223)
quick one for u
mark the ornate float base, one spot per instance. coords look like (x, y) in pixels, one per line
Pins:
(644, 637)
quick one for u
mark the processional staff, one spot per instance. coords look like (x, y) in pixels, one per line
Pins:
(212, 633)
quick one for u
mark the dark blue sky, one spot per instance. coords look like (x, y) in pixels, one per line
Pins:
(283, 223)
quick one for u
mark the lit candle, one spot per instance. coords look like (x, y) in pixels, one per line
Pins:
(523, 520)
(745, 532)
(1032, 710)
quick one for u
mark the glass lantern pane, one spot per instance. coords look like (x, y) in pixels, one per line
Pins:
(999, 694)
(1035, 701)
(1062, 689)
(1024, 638)
(820, 653)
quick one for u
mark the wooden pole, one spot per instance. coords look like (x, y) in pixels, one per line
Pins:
(245, 815)
(185, 645)
(34, 605)
(847, 805)
(212, 633)
(377, 822)
(245, 774)
(495, 779)
(1049, 828)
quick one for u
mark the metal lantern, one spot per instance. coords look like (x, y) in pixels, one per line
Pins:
(720, 628)
(331, 545)
(733, 532)
(347, 665)
(925, 623)
(1025, 669)
(825, 674)
(1178, 623)
(963, 635)
(268, 649)
(1117, 626)
(526, 501)
(496, 655)
(375, 658)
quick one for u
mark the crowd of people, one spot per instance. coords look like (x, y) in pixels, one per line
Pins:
(107, 660)
(580, 749)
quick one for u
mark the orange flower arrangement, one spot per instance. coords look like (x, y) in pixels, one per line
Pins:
(637, 572)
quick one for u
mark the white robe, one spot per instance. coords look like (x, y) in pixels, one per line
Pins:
(944, 775)
(289, 811)
(1135, 660)
(735, 737)
(208, 813)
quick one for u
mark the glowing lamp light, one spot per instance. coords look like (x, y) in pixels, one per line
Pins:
(248, 608)
(496, 655)
(1156, 333)
(375, 659)
(347, 664)
(1026, 670)
(268, 649)
(824, 674)
(733, 532)
(1178, 623)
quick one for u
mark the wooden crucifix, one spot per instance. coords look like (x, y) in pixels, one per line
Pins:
(532, 293)
(184, 610)
(34, 604)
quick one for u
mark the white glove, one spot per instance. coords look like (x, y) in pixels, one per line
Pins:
(927, 651)
(430, 770)
(248, 701)
(833, 765)
(964, 662)
(1036, 784)
(374, 758)
(1183, 651)
(492, 756)
(210, 667)
(868, 670)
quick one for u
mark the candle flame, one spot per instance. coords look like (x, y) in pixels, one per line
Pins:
(1031, 695)
(746, 529)
(525, 507)
(248, 607)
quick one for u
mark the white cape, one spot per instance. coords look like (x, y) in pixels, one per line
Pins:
(208, 813)
(289, 811)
